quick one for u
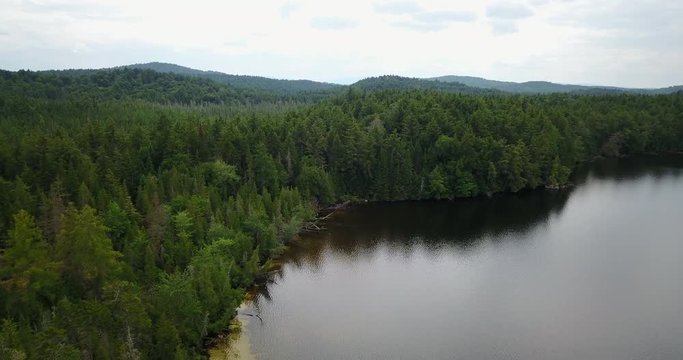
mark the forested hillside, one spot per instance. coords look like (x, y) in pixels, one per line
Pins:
(257, 89)
(131, 228)
(545, 87)
(393, 82)
(241, 81)
(454, 83)
(117, 85)
(140, 84)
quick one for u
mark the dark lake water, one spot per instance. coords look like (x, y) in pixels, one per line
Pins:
(592, 272)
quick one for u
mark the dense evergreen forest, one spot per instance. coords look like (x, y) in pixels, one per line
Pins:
(143, 84)
(545, 87)
(393, 82)
(241, 81)
(137, 207)
(314, 90)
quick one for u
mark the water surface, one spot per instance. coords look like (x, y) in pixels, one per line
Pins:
(593, 272)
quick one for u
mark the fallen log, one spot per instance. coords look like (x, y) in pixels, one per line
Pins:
(313, 224)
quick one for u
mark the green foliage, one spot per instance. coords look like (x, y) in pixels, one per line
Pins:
(176, 298)
(167, 343)
(212, 269)
(29, 274)
(178, 252)
(117, 84)
(273, 87)
(120, 227)
(10, 342)
(130, 228)
(437, 186)
(392, 82)
(85, 252)
(223, 177)
(316, 182)
(544, 87)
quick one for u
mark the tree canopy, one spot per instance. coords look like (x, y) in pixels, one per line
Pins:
(134, 217)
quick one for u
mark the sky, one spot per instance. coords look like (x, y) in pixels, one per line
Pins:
(635, 43)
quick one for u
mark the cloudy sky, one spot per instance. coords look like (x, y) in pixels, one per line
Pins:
(635, 43)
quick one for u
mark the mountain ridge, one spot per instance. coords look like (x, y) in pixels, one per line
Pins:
(395, 82)
(546, 87)
(404, 82)
(285, 88)
(239, 81)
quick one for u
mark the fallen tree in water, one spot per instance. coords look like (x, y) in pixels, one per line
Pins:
(313, 225)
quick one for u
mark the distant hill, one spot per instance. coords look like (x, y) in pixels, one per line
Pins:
(122, 83)
(667, 90)
(170, 83)
(241, 81)
(545, 87)
(537, 87)
(393, 82)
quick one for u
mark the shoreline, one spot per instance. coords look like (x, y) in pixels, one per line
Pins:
(235, 344)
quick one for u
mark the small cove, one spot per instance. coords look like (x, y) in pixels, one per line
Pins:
(593, 271)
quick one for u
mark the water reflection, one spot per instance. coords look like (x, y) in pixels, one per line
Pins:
(588, 272)
(458, 224)
(625, 169)
(462, 223)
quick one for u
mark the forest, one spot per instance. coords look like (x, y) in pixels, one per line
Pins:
(241, 81)
(139, 207)
(145, 84)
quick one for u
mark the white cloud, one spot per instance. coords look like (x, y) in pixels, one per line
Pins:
(445, 16)
(397, 7)
(634, 43)
(288, 8)
(508, 10)
(333, 23)
(502, 27)
(426, 21)
(420, 26)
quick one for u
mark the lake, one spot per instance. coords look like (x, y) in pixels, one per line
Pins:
(590, 272)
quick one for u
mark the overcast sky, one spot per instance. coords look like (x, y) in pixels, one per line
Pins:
(635, 43)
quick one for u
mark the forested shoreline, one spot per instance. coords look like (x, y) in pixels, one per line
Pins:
(131, 225)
